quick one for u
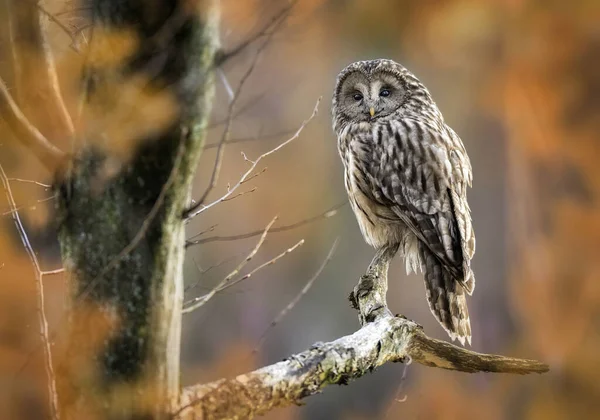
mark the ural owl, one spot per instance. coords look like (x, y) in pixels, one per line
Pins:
(406, 173)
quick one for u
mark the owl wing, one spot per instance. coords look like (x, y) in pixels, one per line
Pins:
(421, 174)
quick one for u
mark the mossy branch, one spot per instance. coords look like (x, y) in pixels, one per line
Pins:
(383, 338)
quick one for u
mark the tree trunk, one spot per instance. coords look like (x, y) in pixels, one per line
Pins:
(120, 225)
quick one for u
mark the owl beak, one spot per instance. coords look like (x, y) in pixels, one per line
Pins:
(372, 111)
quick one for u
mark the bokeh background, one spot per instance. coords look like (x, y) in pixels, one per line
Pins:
(517, 80)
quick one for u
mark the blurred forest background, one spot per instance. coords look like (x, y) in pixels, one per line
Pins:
(518, 80)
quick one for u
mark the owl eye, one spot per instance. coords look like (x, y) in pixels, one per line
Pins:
(384, 93)
(357, 97)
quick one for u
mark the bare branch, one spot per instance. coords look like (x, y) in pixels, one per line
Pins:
(200, 301)
(297, 298)
(253, 138)
(225, 136)
(43, 322)
(28, 181)
(53, 272)
(324, 215)
(399, 390)
(38, 90)
(73, 35)
(263, 265)
(200, 209)
(240, 194)
(226, 84)
(221, 147)
(28, 206)
(207, 269)
(383, 338)
(26, 133)
(387, 339)
(266, 31)
(244, 108)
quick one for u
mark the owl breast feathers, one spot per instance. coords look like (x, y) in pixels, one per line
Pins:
(406, 174)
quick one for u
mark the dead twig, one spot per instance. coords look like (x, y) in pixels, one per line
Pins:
(207, 269)
(28, 181)
(27, 133)
(244, 108)
(263, 265)
(38, 91)
(324, 215)
(397, 398)
(197, 209)
(225, 136)
(240, 194)
(200, 301)
(250, 274)
(74, 41)
(43, 321)
(29, 206)
(253, 138)
(53, 272)
(266, 31)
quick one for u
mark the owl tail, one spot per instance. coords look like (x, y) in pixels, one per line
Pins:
(446, 297)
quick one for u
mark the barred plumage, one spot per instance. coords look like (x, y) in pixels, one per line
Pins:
(406, 174)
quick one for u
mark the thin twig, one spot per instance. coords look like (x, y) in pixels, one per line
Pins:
(210, 229)
(399, 390)
(225, 136)
(240, 194)
(226, 84)
(267, 30)
(26, 132)
(36, 79)
(74, 10)
(43, 321)
(263, 265)
(200, 301)
(29, 206)
(254, 176)
(207, 269)
(253, 138)
(244, 108)
(28, 181)
(324, 215)
(74, 42)
(297, 298)
(53, 272)
(193, 212)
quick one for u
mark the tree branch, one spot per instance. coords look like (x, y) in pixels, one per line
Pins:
(200, 301)
(266, 31)
(323, 215)
(225, 136)
(26, 133)
(38, 90)
(383, 338)
(39, 285)
(193, 212)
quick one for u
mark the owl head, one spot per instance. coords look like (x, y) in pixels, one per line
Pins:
(367, 91)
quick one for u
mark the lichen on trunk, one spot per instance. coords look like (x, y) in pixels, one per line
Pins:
(120, 225)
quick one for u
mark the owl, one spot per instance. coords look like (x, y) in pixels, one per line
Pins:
(406, 174)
